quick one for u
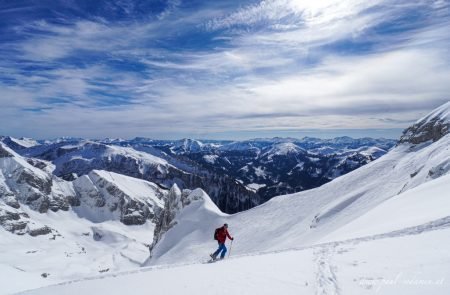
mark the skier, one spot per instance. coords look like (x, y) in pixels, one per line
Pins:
(221, 235)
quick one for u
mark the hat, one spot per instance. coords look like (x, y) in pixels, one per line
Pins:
(225, 224)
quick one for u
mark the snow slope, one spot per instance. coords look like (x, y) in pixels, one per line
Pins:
(366, 264)
(424, 204)
(78, 248)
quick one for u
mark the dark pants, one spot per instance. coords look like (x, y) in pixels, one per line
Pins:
(221, 250)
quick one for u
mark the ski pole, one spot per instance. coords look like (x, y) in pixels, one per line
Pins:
(231, 245)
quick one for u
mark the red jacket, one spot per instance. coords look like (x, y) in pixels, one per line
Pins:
(222, 235)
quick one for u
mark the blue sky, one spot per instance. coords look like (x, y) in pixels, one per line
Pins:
(220, 69)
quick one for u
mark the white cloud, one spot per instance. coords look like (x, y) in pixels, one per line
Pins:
(272, 75)
(363, 92)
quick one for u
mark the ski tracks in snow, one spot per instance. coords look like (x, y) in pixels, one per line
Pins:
(326, 272)
(326, 280)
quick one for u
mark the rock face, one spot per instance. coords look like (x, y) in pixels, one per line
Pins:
(40, 231)
(13, 221)
(430, 128)
(166, 219)
(24, 184)
(110, 196)
(18, 222)
(176, 200)
(21, 182)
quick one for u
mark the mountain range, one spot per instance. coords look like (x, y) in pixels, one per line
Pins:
(237, 175)
(74, 208)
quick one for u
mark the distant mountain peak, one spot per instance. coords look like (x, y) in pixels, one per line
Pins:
(283, 149)
(433, 126)
(287, 148)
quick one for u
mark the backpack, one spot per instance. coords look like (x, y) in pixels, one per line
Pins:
(216, 232)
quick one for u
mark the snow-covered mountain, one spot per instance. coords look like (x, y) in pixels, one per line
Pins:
(405, 189)
(18, 143)
(343, 237)
(308, 217)
(237, 175)
(97, 196)
(379, 229)
(279, 166)
(260, 164)
(75, 158)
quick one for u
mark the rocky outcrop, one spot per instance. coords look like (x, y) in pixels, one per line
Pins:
(166, 219)
(23, 181)
(101, 192)
(430, 131)
(18, 222)
(40, 231)
(12, 221)
(28, 186)
(176, 200)
(37, 163)
(431, 128)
